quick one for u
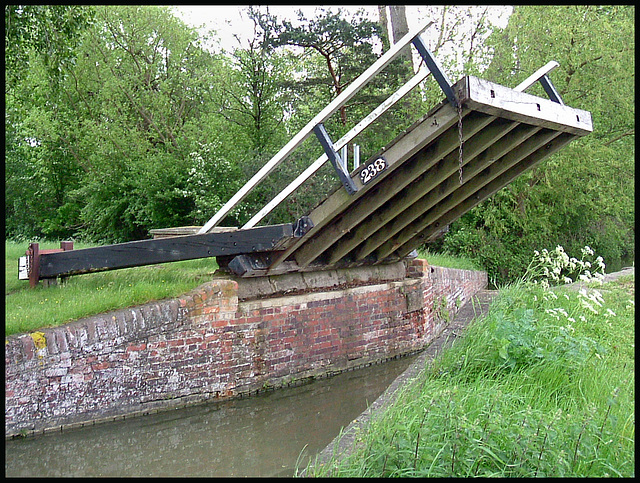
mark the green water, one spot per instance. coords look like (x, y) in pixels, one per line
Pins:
(263, 435)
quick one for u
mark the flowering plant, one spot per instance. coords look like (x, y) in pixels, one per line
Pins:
(555, 267)
(544, 328)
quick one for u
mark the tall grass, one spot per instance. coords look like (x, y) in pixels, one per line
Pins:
(541, 387)
(80, 296)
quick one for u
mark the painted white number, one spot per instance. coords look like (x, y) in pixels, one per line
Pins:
(373, 170)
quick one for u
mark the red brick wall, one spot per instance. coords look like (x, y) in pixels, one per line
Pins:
(207, 345)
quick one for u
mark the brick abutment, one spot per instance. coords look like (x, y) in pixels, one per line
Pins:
(227, 338)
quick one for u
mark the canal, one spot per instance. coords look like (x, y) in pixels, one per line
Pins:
(264, 435)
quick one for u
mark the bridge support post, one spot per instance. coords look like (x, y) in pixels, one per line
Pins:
(437, 71)
(29, 265)
(335, 159)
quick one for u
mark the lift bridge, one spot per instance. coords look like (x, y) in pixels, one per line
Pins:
(476, 141)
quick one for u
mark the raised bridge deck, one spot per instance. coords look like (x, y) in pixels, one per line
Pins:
(429, 182)
(476, 141)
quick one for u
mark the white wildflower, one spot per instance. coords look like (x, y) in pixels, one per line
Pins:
(587, 251)
(588, 306)
(552, 313)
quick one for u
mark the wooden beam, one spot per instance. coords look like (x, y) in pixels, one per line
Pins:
(172, 249)
(439, 182)
(497, 100)
(463, 205)
(512, 158)
(390, 186)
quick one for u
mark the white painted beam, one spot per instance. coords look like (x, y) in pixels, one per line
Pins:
(322, 116)
(535, 77)
(353, 132)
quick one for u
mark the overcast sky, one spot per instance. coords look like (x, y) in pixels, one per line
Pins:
(229, 19)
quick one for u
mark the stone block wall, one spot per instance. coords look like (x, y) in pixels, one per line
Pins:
(211, 344)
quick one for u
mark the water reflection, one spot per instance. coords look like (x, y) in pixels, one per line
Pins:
(257, 436)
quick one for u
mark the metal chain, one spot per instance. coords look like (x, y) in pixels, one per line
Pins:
(460, 140)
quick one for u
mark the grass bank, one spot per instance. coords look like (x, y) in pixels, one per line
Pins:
(449, 261)
(80, 296)
(542, 387)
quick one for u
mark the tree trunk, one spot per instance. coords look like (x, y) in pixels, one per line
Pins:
(384, 23)
(400, 27)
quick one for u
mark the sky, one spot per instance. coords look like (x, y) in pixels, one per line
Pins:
(229, 19)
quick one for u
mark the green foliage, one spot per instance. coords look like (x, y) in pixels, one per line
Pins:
(40, 43)
(541, 387)
(447, 260)
(49, 30)
(119, 121)
(212, 180)
(106, 156)
(585, 193)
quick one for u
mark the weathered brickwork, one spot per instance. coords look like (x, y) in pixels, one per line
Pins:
(207, 344)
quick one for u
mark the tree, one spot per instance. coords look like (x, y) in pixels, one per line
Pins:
(397, 18)
(51, 31)
(109, 150)
(344, 45)
(253, 96)
(583, 195)
(140, 93)
(40, 45)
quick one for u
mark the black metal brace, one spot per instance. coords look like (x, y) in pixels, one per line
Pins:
(550, 89)
(435, 68)
(335, 158)
(302, 226)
